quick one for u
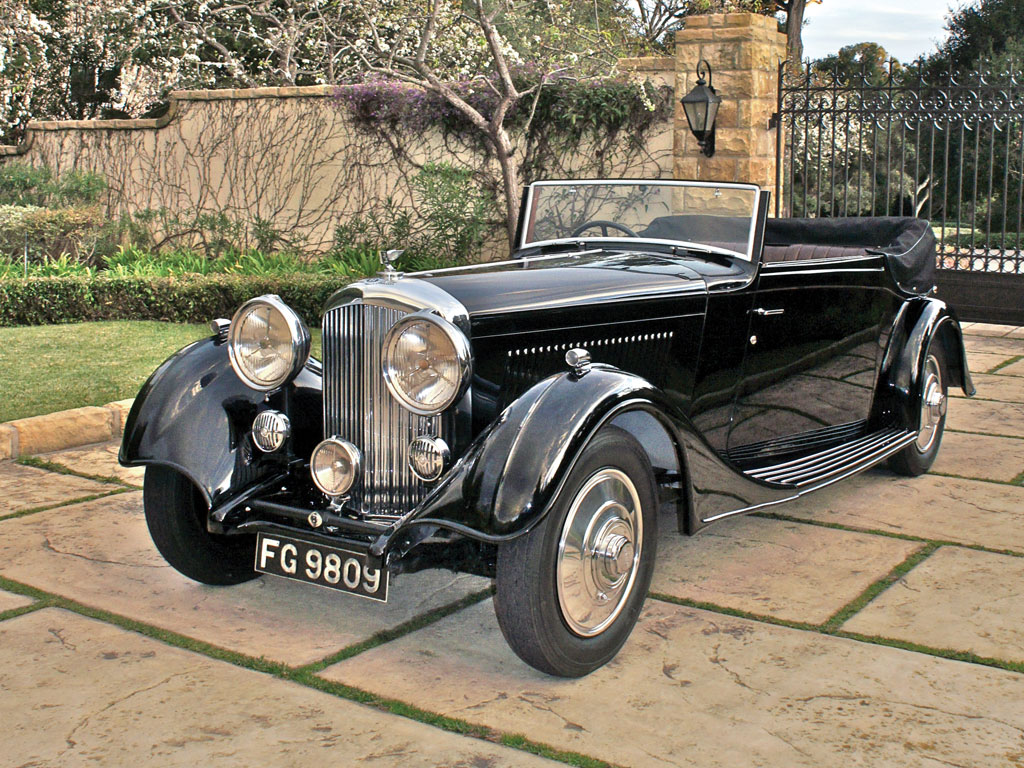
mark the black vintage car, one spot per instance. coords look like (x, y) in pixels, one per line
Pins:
(651, 345)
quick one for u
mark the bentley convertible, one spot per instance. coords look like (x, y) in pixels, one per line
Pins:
(650, 346)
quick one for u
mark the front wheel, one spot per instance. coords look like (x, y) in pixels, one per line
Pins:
(570, 590)
(176, 517)
(918, 457)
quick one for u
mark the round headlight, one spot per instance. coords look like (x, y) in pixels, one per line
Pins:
(426, 363)
(267, 343)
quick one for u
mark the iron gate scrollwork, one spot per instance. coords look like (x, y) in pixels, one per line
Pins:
(904, 142)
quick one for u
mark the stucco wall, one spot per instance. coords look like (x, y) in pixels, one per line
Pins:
(290, 156)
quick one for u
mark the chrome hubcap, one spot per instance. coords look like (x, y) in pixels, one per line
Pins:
(598, 552)
(933, 405)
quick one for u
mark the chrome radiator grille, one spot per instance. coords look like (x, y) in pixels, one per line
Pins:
(359, 408)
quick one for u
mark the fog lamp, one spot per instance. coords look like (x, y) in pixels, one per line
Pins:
(270, 430)
(428, 457)
(335, 466)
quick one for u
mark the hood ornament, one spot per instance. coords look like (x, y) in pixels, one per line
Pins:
(387, 260)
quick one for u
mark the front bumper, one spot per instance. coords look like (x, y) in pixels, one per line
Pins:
(287, 504)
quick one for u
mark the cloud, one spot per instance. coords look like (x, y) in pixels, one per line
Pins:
(907, 30)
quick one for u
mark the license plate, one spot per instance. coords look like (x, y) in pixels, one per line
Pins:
(321, 565)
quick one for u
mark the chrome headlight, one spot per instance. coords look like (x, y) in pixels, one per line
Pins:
(426, 363)
(267, 343)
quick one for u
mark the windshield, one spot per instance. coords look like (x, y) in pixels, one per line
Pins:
(718, 217)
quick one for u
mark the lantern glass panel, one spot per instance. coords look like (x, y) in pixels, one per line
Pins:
(696, 115)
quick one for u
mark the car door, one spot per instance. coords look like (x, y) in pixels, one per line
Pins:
(811, 355)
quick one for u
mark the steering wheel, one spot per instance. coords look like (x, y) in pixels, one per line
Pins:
(604, 225)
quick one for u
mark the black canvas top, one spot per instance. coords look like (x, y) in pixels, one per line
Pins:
(908, 243)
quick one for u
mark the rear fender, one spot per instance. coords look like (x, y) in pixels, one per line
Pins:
(921, 324)
(194, 415)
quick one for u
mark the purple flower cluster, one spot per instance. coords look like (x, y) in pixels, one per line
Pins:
(400, 104)
(574, 105)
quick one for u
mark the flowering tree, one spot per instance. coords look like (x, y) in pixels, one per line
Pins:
(84, 60)
(443, 45)
(22, 54)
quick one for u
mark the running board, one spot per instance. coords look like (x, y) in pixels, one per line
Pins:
(842, 460)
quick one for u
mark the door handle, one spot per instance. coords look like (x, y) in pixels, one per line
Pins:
(762, 312)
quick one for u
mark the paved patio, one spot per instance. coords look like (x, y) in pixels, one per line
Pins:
(878, 622)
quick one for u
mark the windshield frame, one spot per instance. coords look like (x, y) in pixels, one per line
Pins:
(528, 211)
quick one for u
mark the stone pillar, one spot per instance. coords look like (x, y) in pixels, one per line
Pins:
(744, 50)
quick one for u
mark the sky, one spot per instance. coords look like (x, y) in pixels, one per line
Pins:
(905, 28)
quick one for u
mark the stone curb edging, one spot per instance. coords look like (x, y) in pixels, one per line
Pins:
(63, 429)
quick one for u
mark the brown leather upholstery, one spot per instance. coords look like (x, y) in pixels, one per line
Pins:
(802, 252)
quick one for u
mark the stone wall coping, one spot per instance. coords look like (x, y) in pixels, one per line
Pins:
(738, 19)
(63, 429)
(174, 99)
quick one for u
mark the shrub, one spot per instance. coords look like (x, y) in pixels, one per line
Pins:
(50, 232)
(24, 184)
(456, 216)
(183, 299)
(21, 184)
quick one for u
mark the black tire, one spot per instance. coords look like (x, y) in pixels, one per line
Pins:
(527, 599)
(176, 517)
(916, 459)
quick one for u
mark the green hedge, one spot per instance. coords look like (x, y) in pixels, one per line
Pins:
(186, 299)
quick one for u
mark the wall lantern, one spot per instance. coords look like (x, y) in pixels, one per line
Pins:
(701, 108)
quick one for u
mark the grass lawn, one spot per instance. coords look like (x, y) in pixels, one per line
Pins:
(52, 367)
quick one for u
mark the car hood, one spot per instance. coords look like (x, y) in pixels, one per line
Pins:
(576, 290)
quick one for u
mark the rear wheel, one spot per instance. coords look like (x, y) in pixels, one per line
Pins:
(176, 517)
(569, 592)
(918, 457)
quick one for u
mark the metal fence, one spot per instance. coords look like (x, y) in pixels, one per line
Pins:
(901, 142)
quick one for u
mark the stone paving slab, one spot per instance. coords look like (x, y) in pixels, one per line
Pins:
(100, 554)
(774, 568)
(24, 488)
(982, 362)
(10, 601)
(986, 416)
(78, 691)
(1013, 369)
(988, 329)
(994, 386)
(941, 508)
(980, 456)
(997, 346)
(99, 459)
(692, 688)
(959, 599)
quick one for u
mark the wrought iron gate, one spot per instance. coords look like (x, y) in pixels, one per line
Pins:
(899, 143)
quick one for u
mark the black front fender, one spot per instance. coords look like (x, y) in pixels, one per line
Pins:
(508, 478)
(194, 415)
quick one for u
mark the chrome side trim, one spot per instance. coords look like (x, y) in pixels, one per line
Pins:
(897, 441)
(826, 436)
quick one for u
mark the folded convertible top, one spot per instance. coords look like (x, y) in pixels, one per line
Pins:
(908, 243)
